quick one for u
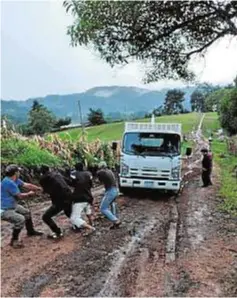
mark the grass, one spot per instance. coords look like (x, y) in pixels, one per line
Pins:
(228, 189)
(114, 131)
(227, 165)
(210, 124)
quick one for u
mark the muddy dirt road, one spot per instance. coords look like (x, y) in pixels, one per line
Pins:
(166, 246)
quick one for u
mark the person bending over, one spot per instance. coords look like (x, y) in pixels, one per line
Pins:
(82, 199)
(60, 193)
(13, 212)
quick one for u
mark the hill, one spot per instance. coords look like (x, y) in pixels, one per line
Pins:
(113, 100)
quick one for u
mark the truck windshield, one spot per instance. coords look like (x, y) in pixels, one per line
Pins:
(151, 144)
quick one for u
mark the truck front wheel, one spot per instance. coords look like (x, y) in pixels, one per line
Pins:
(124, 190)
(173, 192)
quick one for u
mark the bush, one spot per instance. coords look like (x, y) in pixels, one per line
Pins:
(96, 117)
(228, 111)
(26, 153)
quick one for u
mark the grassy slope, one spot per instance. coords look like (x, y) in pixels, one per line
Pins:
(210, 123)
(114, 131)
(228, 188)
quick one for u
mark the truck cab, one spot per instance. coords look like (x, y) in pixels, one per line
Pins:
(151, 156)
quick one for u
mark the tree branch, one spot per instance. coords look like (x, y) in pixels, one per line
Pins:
(224, 15)
(206, 45)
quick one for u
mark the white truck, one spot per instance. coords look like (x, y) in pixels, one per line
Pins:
(151, 156)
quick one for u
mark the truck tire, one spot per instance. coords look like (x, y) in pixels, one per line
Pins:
(124, 190)
(175, 192)
(172, 192)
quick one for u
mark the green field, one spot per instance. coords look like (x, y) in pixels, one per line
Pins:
(114, 131)
(210, 123)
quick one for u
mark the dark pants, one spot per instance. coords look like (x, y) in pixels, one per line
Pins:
(54, 210)
(206, 178)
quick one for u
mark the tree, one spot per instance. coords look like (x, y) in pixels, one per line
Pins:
(173, 102)
(41, 120)
(213, 100)
(197, 101)
(96, 117)
(36, 105)
(228, 111)
(158, 111)
(164, 35)
(207, 88)
(63, 121)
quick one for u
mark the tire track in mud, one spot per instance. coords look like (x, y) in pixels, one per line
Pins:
(110, 287)
(84, 272)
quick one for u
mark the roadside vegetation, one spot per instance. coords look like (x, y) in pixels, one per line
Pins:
(27, 153)
(225, 155)
(35, 151)
(228, 174)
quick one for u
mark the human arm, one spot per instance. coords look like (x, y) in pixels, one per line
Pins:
(14, 191)
(31, 187)
(25, 195)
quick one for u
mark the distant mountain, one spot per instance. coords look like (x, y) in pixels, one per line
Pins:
(111, 99)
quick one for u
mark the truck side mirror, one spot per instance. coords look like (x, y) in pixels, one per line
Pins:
(114, 146)
(188, 151)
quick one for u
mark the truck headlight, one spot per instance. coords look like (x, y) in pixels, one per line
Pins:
(175, 173)
(124, 169)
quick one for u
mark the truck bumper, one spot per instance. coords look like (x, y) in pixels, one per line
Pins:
(149, 184)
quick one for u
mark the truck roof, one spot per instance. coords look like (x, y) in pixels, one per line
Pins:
(153, 127)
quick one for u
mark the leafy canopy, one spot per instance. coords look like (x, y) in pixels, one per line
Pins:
(197, 101)
(163, 35)
(41, 120)
(228, 111)
(173, 102)
(96, 117)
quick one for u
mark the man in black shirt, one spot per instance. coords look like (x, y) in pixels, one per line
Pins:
(107, 177)
(82, 198)
(54, 184)
(206, 168)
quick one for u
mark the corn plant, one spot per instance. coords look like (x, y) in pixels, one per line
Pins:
(66, 150)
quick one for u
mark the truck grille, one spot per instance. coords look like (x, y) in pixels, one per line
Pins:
(150, 178)
(150, 172)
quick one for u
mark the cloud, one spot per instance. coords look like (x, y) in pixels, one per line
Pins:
(37, 58)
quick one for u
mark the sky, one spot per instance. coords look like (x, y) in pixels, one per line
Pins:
(37, 59)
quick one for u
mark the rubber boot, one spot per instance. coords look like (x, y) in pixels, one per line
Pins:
(30, 228)
(15, 243)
